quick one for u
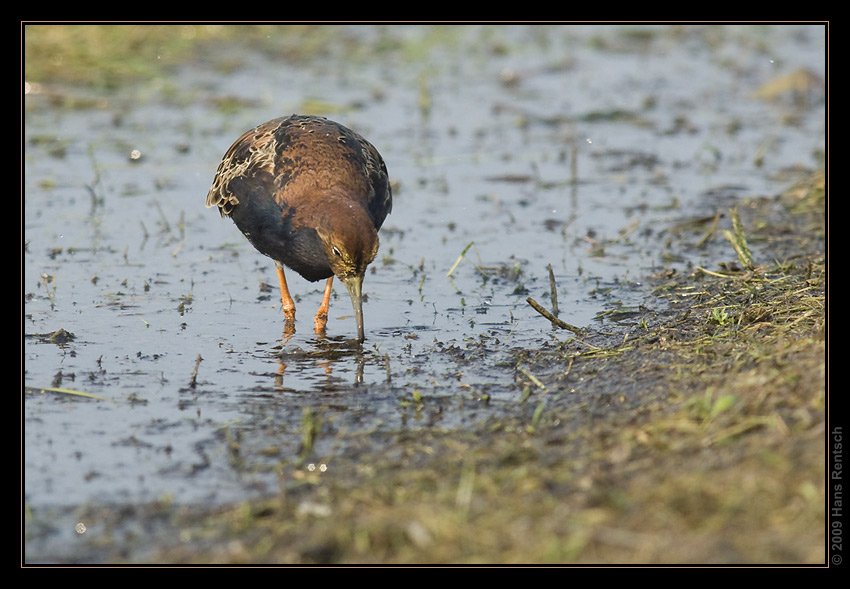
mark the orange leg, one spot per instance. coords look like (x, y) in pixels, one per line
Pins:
(285, 298)
(321, 319)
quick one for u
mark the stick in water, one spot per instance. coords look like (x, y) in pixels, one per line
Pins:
(555, 321)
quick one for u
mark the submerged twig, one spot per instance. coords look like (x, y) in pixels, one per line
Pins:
(194, 379)
(553, 290)
(555, 321)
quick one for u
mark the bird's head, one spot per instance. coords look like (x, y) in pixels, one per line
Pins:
(350, 241)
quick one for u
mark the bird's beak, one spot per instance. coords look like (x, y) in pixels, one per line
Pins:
(354, 284)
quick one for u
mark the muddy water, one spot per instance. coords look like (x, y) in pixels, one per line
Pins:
(579, 148)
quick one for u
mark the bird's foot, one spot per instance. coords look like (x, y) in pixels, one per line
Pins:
(320, 322)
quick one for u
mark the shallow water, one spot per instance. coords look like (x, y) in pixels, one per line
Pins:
(573, 139)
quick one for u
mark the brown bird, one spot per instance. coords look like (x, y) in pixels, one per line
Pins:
(310, 194)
